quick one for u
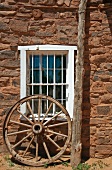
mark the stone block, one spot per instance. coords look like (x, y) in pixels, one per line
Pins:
(9, 63)
(7, 13)
(103, 109)
(10, 90)
(18, 25)
(37, 13)
(5, 54)
(104, 150)
(107, 98)
(44, 2)
(9, 73)
(92, 152)
(4, 26)
(9, 38)
(109, 87)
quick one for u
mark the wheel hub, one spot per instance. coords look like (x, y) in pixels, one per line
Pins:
(37, 128)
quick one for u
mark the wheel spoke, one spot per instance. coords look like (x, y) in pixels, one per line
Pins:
(29, 107)
(58, 124)
(56, 133)
(15, 133)
(46, 150)
(22, 140)
(25, 117)
(36, 148)
(23, 124)
(39, 104)
(53, 142)
(47, 112)
(52, 118)
(30, 133)
(28, 146)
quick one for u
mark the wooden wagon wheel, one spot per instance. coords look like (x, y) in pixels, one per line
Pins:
(37, 130)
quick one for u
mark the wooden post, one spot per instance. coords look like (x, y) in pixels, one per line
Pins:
(76, 145)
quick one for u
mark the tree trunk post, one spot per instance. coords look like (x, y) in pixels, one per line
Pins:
(76, 145)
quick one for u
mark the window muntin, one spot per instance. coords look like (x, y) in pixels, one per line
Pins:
(48, 75)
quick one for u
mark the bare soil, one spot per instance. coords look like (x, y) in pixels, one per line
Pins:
(6, 163)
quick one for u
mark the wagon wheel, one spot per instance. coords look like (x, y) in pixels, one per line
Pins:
(37, 130)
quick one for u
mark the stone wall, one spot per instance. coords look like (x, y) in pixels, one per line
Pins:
(30, 22)
(55, 22)
(97, 95)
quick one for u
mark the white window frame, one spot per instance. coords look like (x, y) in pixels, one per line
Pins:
(70, 70)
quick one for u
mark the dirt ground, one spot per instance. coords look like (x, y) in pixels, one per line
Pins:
(64, 164)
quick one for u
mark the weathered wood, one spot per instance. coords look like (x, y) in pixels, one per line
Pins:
(34, 136)
(76, 126)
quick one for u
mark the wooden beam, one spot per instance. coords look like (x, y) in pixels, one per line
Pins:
(76, 145)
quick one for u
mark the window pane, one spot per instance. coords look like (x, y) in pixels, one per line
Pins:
(57, 108)
(36, 76)
(30, 76)
(36, 89)
(44, 90)
(64, 103)
(44, 106)
(30, 61)
(58, 62)
(50, 61)
(44, 61)
(58, 92)
(44, 76)
(36, 61)
(50, 91)
(64, 76)
(64, 61)
(31, 91)
(58, 76)
(64, 92)
(51, 109)
(50, 76)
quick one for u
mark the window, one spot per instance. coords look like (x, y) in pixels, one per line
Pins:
(48, 70)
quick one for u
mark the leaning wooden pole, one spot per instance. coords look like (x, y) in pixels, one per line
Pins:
(77, 117)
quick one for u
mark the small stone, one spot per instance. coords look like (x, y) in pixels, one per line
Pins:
(60, 2)
(67, 2)
(6, 13)
(37, 13)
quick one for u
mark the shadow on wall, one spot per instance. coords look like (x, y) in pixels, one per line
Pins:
(108, 10)
(86, 96)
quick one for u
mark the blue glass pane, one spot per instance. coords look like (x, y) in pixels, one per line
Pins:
(50, 61)
(44, 61)
(36, 89)
(58, 62)
(58, 92)
(50, 91)
(36, 61)
(58, 76)
(44, 76)
(64, 61)
(64, 76)
(50, 76)
(44, 90)
(36, 76)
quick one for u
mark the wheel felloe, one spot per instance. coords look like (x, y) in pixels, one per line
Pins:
(40, 134)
